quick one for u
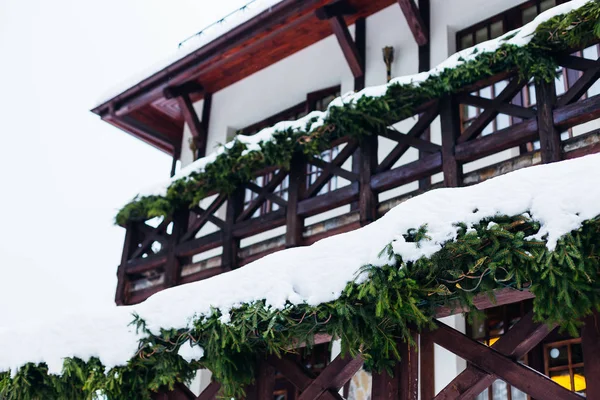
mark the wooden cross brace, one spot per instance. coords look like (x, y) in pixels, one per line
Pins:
(333, 168)
(410, 139)
(264, 193)
(486, 364)
(204, 216)
(327, 384)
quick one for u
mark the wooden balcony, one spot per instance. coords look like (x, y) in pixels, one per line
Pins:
(182, 248)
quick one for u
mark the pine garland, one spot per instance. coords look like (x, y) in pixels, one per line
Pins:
(371, 315)
(371, 115)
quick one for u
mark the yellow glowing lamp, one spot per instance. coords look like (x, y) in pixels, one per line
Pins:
(565, 381)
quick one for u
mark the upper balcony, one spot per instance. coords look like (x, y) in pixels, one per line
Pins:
(500, 121)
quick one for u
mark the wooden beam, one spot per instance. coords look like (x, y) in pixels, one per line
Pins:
(450, 118)
(211, 391)
(193, 122)
(591, 355)
(351, 53)
(386, 386)
(550, 146)
(265, 383)
(425, 65)
(296, 186)
(360, 40)
(335, 9)
(174, 263)
(409, 370)
(415, 21)
(206, 112)
(231, 244)
(493, 362)
(368, 200)
(427, 366)
(184, 89)
(340, 371)
(516, 343)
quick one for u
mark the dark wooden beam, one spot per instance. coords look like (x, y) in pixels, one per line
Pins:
(174, 263)
(337, 373)
(206, 112)
(450, 119)
(193, 121)
(349, 48)
(184, 89)
(425, 65)
(427, 366)
(415, 21)
(386, 386)
(360, 39)
(265, 383)
(337, 8)
(211, 391)
(144, 132)
(516, 343)
(550, 146)
(368, 199)
(231, 244)
(493, 362)
(591, 355)
(409, 370)
(296, 186)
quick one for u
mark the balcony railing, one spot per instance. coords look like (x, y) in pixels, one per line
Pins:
(225, 232)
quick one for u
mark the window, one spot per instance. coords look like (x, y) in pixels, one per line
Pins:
(315, 101)
(497, 26)
(488, 329)
(563, 362)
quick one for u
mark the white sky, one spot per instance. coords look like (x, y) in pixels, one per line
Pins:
(63, 172)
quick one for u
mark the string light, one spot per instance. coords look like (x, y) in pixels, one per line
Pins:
(220, 21)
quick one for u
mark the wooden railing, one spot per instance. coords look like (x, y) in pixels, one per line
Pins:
(181, 249)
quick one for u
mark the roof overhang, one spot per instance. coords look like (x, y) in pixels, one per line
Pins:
(145, 111)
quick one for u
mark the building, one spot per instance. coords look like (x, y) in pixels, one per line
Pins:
(288, 58)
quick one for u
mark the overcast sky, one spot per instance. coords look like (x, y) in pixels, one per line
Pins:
(64, 172)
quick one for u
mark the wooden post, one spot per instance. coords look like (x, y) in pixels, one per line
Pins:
(591, 355)
(176, 156)
(409, 370)
(206, 109)
(173, 265)
(264, 386)
(386, 387)
(449, 114)
(231, 244)
(360, 38)
(130, 244)
(368, 165)
(427, 357)
(550, 147)
(297, 184)
(425, 65)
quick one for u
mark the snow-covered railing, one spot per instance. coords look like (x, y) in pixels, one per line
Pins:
(522, 114)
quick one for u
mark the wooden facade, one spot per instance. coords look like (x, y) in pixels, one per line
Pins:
(180, 240)
(181, 249)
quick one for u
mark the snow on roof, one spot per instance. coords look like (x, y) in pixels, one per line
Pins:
(191, 44)
(517, 37)
(559, 196)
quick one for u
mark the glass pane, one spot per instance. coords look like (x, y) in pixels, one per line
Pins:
(532, 98)
(481, 35)
(490, 129)
(470, 112)
(576, 353)
(486, 92)
(499, 390)
(499, 87)
(497, 29)
(558, 356)
(562, 378)
(560, 84)
(591, 53)
(547, 4)
(579, 380)
(517, 394)
(529, 14)
(466, 41)
(503, 121)
(483, 396)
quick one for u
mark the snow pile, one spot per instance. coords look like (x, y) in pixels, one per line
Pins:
(518, 37)
(560, 196)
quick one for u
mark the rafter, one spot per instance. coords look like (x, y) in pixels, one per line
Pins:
(415, 21)
(351, 53)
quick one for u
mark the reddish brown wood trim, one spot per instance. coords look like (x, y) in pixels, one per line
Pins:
(211, 391)
(367, 198)
(427, 365)
(491, 361)
(409, 369)
(516, 343)
(415, 21)
(294, 221)
(193, 121)
(449, 115)
(385, 386)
